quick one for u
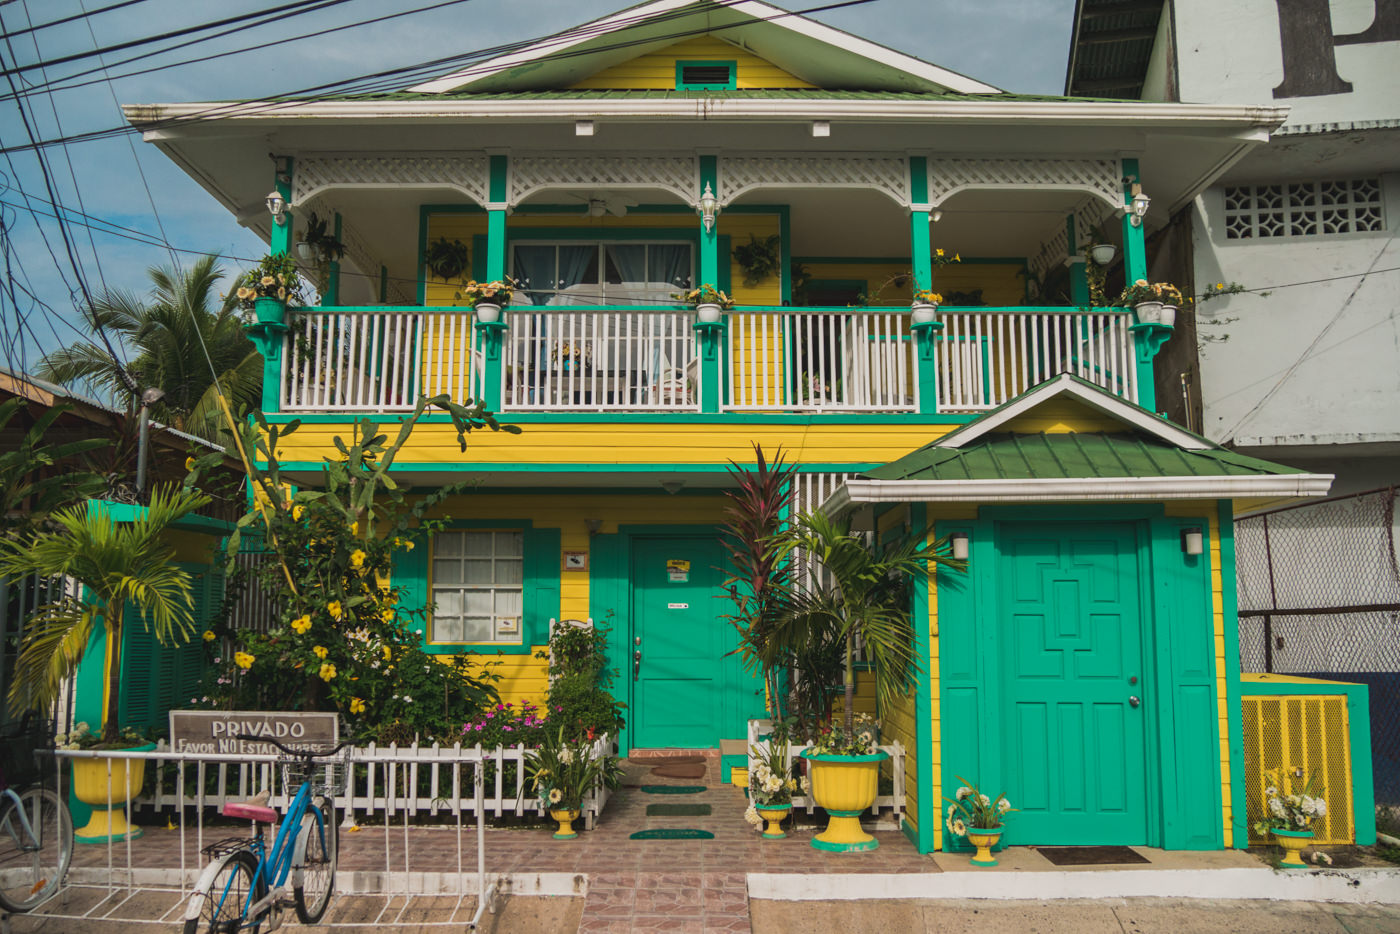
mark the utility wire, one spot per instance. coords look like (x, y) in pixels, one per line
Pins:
(376, 82)
(68, 19)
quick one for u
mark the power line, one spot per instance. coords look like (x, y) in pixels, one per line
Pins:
(311, 5)
(374, 82)
(68, 19)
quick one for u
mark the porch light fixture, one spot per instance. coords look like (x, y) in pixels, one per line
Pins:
(1102, 254)
(1192, 542)
(821, 128)
(594, 526)
(935, 216)
(708, 208)
(672, 486)
(959, 545)
(583, 127)
(277, 207)
(1140, 205)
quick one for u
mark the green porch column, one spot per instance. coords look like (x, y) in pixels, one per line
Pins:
(710, 337)
(333, 280)
(1078, 274)
(921, 261)
(489, 336)
(1147, 338)
(267, 333)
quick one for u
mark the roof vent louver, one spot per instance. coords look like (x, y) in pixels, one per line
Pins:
(705, 76)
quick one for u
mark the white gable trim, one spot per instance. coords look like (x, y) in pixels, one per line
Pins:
(1095, 398)
(854, 493)
(761, 12)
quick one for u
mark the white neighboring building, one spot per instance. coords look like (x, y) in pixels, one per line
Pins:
(1308, 374)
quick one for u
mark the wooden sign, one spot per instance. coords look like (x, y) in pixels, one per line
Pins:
(216, 731)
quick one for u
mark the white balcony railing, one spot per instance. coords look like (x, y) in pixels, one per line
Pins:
(646, 359)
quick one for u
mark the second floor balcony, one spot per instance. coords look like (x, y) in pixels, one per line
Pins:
(615, 359)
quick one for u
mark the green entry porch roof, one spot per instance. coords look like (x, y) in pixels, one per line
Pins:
(1133, 456)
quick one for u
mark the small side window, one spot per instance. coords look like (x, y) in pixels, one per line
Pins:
(705, 76)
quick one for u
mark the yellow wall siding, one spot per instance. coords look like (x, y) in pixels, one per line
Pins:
(1058, 416)
(739, 228)
(900, 724)
(544, 444)
(657, 70)
(938, 512)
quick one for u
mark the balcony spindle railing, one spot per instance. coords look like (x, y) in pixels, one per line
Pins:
(645, 359)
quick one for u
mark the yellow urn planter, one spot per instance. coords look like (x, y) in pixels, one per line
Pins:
(845, 787)
(108, 799)
(1293, 842)
(774, 814)
(984, 838)
(565, 817)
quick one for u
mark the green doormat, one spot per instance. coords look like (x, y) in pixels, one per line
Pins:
(673, 789)
(677, 834)
(678, 810)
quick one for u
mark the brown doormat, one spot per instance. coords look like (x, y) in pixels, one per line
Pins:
(1091, 855)
(667, 760)
(680, 770)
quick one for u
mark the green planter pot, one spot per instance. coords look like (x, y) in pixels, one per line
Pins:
(270, 310)
(845, 787)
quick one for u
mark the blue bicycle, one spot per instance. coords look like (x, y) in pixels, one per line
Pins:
(36, 830)
(245, 883)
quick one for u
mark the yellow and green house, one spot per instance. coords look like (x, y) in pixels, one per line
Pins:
(1087, 663)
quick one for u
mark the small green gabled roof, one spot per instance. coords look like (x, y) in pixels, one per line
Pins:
(1070, 455)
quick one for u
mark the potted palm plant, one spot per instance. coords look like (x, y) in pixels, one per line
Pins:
(857, 592)
(118, 564)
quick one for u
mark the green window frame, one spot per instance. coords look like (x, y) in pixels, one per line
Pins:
(705, 80)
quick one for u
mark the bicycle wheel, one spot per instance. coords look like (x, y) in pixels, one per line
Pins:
(314, 879)
(33, 860)
(236, 885)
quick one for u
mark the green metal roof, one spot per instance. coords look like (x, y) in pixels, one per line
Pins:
(596, 94)
(1070, 455)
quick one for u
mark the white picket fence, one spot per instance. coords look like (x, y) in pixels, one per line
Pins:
(893, 802)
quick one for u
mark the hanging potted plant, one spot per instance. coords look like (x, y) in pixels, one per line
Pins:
(973, 815)
(269, 287)
(1154, 302)
(758, 258)
(120, 565)
(1289, 814)
(487, 298)
(707, 301)
(864, 596)
(446, 259)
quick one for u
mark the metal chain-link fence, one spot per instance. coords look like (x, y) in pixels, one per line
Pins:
(1319, 596)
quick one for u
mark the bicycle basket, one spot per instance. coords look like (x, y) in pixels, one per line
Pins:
(26, 753)
(327, 775)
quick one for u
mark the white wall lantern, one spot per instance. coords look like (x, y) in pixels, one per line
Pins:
(960, 545)
(708, 208)
(1140, 205)
(277, 207)
(1192, 541)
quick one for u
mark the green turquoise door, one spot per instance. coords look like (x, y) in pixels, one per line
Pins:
(1072, 734)
(678, 643)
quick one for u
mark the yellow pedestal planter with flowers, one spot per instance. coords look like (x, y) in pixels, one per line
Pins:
(845, 787)
(1292, 801)
(771, 783)
(106, 783)
(973, 815)
(562, 773)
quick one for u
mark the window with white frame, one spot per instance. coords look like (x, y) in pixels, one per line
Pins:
(1303, 209)
(575, 273)
(478, 579)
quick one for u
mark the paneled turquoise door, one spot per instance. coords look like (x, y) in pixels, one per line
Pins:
(1073, 749)
(679, 680)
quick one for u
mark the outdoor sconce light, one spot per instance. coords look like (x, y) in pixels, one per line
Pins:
(708, 208)
(960, 546)
(935, 216)
(1192, 542)
(1140, 205)
(594, 526)
(277, 207)
(1103, 253)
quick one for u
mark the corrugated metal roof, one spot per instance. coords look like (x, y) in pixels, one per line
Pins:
(1112, 46)
(590, 94)
(1070, 455)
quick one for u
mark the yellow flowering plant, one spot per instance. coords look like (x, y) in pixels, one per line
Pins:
(707, 294)
(273, 277)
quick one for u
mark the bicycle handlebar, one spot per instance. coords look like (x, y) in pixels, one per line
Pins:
(299, 753)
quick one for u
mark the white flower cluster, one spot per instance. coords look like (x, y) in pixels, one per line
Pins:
(1288, 809)
(751, 815)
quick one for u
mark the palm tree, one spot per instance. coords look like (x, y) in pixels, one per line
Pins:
(117, 563)
(169, 337)
(863, 592)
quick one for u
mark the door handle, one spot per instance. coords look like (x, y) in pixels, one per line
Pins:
(1133, 701)
(637, 665)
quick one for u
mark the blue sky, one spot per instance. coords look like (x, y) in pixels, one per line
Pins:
(1019, 45)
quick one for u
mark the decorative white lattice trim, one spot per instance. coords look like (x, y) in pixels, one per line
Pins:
(317, 173)
(1089, 214)
(1099, 177)
(1303, 209)
(358, 252)
(679, 175)
(739, 174)
(1054, 249)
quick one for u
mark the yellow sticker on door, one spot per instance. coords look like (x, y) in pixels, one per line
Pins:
(677, 570)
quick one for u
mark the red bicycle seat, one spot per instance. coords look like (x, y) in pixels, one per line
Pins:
(245, 811)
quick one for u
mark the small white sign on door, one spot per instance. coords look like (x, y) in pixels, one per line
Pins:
(678, 606)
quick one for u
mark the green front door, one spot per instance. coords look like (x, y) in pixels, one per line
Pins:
(1072, 743)
(678, 683)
